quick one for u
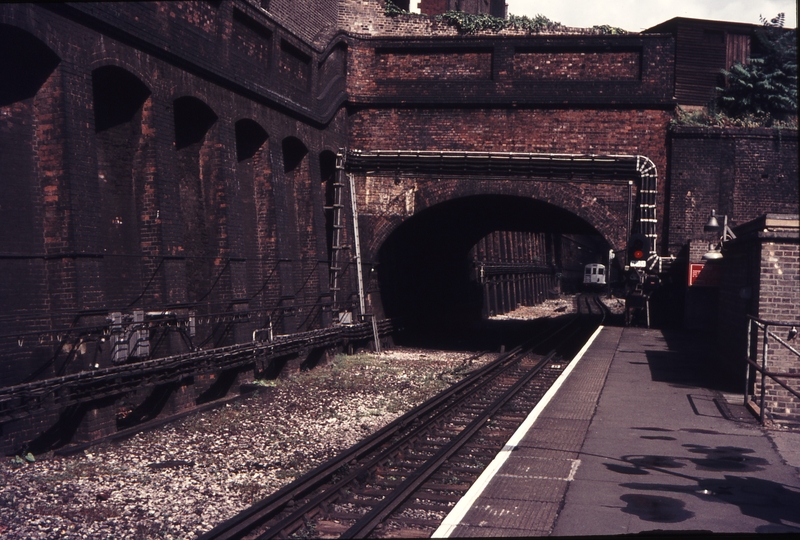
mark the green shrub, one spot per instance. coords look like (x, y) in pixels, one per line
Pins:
(764, 90)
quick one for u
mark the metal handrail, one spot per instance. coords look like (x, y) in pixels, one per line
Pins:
(764, 325)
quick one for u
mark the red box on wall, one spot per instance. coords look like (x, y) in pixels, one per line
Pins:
(704, 275)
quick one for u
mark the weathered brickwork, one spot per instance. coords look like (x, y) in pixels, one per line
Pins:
(740, 173)
(636, 70)
(514, 268)
(455, 65)
(779, 296)
(386, 204)
(174, 164)
(525, 130)
(578, 66)
(296, 65)
(761, 277)
(251, 40)
(129, 188)
(312, 21)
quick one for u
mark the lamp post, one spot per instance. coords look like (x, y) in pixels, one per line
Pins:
(715, 251)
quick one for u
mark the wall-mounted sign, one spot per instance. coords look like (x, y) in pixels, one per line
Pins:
(704, 275)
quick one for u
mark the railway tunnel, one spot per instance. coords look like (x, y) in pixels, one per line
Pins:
(440, 270)
(427, 216)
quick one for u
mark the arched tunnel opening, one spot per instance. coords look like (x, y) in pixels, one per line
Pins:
(428, 275)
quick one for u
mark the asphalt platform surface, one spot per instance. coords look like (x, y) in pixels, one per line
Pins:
(641, 437)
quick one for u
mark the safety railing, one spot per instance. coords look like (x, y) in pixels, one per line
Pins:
(766, 331)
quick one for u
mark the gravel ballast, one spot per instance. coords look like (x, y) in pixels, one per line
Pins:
(182, 479)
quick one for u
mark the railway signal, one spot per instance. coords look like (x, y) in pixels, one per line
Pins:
(638, 250)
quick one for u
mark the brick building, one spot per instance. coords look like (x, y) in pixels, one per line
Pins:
(172, 184)
(759, 277)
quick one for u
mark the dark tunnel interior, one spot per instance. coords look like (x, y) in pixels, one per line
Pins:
(424, 270)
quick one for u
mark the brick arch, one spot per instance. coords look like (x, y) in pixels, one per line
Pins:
(30, 76)
(118, 95)
(250, 136)
(578, 201)
(121, 105)
(294, 153)
(193, 119)
(574, 198)
(26, 62)
(141, 69)
(424, 264)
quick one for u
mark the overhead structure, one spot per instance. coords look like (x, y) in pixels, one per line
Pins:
(542, 166)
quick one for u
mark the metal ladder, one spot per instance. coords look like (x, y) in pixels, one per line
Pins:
(338, 225)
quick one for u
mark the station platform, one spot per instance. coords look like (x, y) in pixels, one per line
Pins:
(637, 439)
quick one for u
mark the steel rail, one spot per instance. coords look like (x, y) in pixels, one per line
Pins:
(270, 507)
(297, 517)
(367, 524)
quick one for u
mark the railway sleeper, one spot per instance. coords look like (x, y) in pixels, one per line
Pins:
(429, 448)
(394, 471)
(427, 495)
(427, 506)
(331, 527)
(432, 487)
(412, 462)
(432, 523)
(343, 516)
(466, 463)
(419, 455)
(385, 482)
(510, 418)
(354, 496)
(484, 448)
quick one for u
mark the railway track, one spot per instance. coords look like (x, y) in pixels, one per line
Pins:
(591, 304)
(404, 479)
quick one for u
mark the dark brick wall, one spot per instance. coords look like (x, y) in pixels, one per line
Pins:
(525, 130)
(761, 277)
(625, 71)
(434, 7)
(167, 157)
(251, 40)
(454, 65)
(580, 66)
(741, 173)
(779, 300)
(525, 275)
(126, 210)
(311, 20)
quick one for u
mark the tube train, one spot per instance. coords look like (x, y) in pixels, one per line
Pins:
(594, 275)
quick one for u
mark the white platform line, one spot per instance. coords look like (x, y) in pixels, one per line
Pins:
(458, 512)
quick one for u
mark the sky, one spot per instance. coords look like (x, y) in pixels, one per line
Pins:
(637, 15)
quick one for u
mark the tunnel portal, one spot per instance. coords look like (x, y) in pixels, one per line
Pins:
(432, 271)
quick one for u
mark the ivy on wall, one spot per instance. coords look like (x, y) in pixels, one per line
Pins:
(468, 23)
(390, 9)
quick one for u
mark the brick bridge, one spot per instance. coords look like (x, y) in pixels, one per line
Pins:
(181, 178)
(425, 213)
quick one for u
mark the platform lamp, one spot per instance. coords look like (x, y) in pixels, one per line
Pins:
(715, 251)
